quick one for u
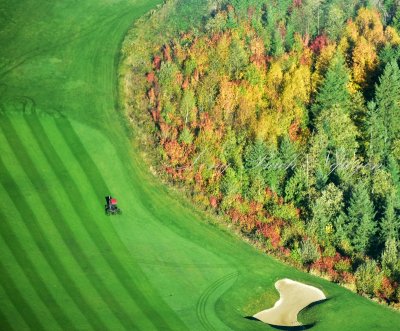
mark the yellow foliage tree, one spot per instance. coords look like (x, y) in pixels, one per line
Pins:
(365, 61)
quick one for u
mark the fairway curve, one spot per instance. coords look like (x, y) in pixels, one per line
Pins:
(203, 303)
(66, 266)
(294, 297)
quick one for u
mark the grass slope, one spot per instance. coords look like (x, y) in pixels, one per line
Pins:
(65, 265)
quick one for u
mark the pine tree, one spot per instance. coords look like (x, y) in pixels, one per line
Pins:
(255, 157)
(388, 99)
(390, 224)
(390, 258)
(331, 110)
(361, 224)
(341, 237)
(377, 135)
(296, 188)
(333, 92)
(385, 118)
(394, 171)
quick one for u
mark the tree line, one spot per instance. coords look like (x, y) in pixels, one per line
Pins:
(284, 116)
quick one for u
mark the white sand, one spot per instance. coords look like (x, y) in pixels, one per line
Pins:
(294, 296)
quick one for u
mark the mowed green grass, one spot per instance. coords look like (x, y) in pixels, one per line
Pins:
(65, 265)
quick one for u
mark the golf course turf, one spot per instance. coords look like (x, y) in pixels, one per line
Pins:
(160, 265)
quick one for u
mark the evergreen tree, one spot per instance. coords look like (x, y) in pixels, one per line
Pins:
(333, 92)
(331, 110)
(318, 162)
(390, 224)
(255, 157)
(361, 224)
(274, 171)
(385, 118)
(377, 136)
(394, 171)
(288, 154)
(296, 188)
(388, 100)
(231, 184)
(341, 237)
(390, 258)
(359, 116)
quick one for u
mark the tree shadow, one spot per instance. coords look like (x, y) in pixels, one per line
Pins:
(282, 327)
(293, 328)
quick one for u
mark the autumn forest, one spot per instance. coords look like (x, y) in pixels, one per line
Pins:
(283, 118)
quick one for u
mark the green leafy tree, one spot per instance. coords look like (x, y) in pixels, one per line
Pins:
(382, 187)
(237, 59)
(335, 21)
(206, 93)
(309, 252)
(188, 106)
(232, 150)
(326, 210)
(186, 136)
(340, 130)
(217, 23)
(368, 278)
(306, 17)
(231, 184)
(189, 66)
(168, 82)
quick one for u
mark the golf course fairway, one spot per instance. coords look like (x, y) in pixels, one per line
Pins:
(160, 265)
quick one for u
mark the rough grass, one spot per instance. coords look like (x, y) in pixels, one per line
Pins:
(65, 265)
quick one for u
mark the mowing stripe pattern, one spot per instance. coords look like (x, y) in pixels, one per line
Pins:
(73, 244)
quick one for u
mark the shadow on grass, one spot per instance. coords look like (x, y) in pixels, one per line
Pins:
(282, 327)
(294, 328)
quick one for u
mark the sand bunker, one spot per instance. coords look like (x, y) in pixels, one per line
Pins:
(294, 297)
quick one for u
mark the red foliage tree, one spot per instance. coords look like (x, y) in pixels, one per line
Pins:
(150, 77)
(157, 62)
(319, 44)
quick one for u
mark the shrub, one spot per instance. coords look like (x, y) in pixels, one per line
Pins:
(309, 252)
(387, 290)
(368, 278)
